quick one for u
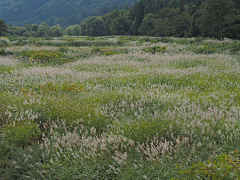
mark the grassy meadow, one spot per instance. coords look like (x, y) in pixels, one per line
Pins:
(119, 107)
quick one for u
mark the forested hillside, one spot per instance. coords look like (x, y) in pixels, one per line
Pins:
(63, 12)
(181, 18)
(160, 18)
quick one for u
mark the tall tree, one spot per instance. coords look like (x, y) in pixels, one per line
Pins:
(139, 15)
(214, 16)
(199, 2)
(147, 25)
(181, 6)
(3, 27)
(94, 26)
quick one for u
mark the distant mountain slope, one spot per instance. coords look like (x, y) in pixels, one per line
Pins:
(64, 12)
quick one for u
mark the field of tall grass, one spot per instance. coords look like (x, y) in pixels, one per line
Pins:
(119, 108)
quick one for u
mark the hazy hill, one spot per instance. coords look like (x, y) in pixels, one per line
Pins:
(64, 12)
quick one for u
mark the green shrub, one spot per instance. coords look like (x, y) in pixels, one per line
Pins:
(234, 47)
(42, 55)
(110, 53)
(224, 166)
(22, 133)
(2, 52)
(155, 49)
(145, 39)
(63, 49)
(198, 39)
(96, 50)
(4, 42)
(205, 49)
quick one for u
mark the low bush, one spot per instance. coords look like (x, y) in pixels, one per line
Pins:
(155, 49)
(21, 133)
(4, 42)
(224, 166)
(41, 56)
(205, 49)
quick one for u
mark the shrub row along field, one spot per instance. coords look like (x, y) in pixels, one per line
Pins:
(145, 108)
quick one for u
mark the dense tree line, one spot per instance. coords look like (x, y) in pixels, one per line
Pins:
(43, 30)
(180, 18)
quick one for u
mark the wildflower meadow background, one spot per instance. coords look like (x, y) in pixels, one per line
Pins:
(119, 108)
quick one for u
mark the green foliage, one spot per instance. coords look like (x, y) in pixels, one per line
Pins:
(63, 49)
(4, 42)
(21, 133)
(209, 48)
(50, 88)
(3, 27)
(42, 55)
(74, 30)
(215, 17)
(94, 26)
(56, 31)
(96, 50)
(205, 49)
(4, 52)
(155, 49)
(224, 166)
(120, 25)
(234, 47)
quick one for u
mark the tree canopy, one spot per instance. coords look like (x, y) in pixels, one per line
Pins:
(3, 27)
(179, 18)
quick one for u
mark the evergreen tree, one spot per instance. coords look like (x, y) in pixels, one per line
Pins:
(181, 24)
(199, 2)
(139, 15)
(214, 16)
(3, 27)
(181, 6)
(147, 25)
(121, 24)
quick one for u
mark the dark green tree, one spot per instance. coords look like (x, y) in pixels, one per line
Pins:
(181, 24)
(43, 30)
(56, 31)
(94, 26)
(215, 15)
(181, 6)
(3, 27)
(194, 31)
(138, 17)
(34, 27)
(199, 2)
(163, 27)
(121, 24)
(146, 27)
